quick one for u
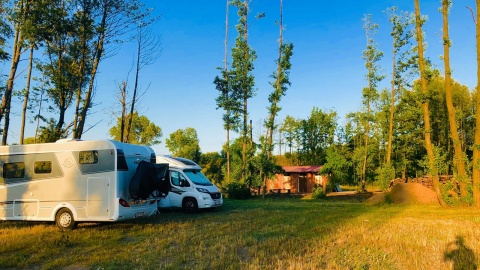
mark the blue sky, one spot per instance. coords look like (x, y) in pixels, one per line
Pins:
(327, 67)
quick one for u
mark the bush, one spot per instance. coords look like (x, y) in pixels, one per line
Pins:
(318, 193)
(237, 191)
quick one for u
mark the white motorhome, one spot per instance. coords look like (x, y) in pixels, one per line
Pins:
(190, 188)
(72, 181)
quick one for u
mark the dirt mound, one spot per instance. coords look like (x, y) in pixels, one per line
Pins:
(409, 193)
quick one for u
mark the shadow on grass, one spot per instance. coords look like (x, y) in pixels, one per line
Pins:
(461, 256)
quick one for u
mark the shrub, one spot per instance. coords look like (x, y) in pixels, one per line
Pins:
(318, 193)
(237, 191)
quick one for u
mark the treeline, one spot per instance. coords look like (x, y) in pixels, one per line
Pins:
(423, 124)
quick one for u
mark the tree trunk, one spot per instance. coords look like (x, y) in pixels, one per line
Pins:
(462, 177)
(26, 96)
(97, 57)
(425, 104)
(123, 91)
(134, 97)
(7, 96)
(225, 68)
(392, 109)
(476, 148)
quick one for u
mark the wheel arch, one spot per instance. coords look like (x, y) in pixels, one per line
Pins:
(61, 206)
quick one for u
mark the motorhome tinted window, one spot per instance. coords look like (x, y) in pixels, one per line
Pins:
(14, 170)
(198, 178)
(175, 178)
(40, 167)
(88, 157)
(121, 161)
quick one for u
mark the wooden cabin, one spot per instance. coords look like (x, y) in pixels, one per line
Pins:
(297, 179)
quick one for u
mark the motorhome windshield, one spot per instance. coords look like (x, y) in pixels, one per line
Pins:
(198, 178)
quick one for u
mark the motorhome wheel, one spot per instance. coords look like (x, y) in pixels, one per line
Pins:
(64, 219)
(190, 205)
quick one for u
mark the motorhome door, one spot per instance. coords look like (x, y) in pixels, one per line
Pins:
(179, 185)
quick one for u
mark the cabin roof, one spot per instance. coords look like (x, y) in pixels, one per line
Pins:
(302, 169)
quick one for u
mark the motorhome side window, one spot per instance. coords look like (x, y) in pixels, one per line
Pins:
(14, 170)
(41, 167)
(88, 157)
(175, 178)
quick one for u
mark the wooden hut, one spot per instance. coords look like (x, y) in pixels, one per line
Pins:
(297, 179)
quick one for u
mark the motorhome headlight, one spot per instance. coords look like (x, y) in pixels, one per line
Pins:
(204, 190)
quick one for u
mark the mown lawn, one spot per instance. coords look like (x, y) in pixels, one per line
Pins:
(275, 233)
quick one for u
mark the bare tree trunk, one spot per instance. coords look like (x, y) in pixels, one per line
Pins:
(392, 109)
(123, 91)
(426, 114)
(365, 157)
(90, 91)
(225, 68)
(476, 148)
(245, 100)
(134, 97)
(7, 96)
(38, 114)
(26, 96)
(457, 145)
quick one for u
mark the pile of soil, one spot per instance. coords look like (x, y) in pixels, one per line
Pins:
(409, 193)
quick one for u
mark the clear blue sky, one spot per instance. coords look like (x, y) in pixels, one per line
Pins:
(327, 67)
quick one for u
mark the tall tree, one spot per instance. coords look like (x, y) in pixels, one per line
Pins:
(424, 102)
(112, 20)
(401, 35)
(18, 16)
(280, 83)
(184, 143)
(26, 95)
(371, 55)
(242, 79)
(462, 177)
(225, 100)
(476, 146)
(148, 51)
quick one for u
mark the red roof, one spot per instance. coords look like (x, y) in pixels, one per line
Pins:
(302, 169)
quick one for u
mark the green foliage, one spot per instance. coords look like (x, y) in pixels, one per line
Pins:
(50, 132)
(318, 193)
(212, 164)
(184, 143)
(5, 33)
(338, 166)
(237, 191)
(441, 162)
(450, 193)
(316, 134)
(142, 131)
(385, 174)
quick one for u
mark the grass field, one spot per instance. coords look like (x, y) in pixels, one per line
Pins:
(275, 233)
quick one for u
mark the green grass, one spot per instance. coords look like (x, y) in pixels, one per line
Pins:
(275, 233)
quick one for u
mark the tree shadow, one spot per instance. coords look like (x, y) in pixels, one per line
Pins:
(460, 255)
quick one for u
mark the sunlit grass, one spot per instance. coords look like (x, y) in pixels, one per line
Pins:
(275, 233)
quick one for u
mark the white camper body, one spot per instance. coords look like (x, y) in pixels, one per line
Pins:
(72, 181)
(190, 188)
